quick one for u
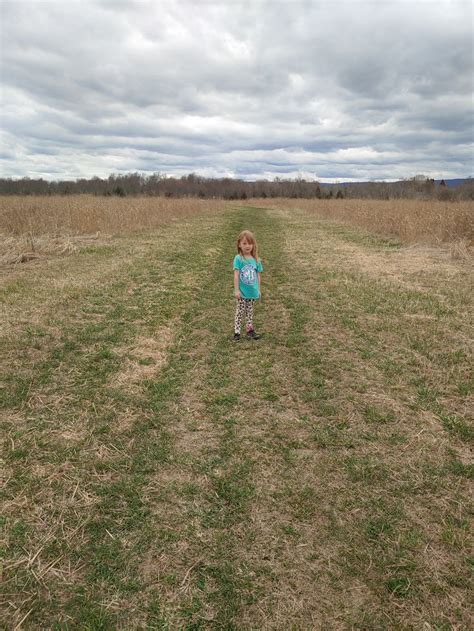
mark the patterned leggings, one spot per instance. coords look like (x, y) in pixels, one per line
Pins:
(244, 305)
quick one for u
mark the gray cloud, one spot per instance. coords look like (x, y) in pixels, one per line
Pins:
(330, 90)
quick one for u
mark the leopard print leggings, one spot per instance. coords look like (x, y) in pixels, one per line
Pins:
(244, 305)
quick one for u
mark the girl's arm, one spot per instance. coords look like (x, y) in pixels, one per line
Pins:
(259, 285)
(236, 283)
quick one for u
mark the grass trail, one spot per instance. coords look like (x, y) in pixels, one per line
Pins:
(160, 476)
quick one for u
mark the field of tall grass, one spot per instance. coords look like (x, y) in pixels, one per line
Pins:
(85, 214)
(32, 226)
(430, 222)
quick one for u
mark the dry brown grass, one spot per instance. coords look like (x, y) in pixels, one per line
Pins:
(410, 221)
(86, 214)
(28, 247)
(35, 227)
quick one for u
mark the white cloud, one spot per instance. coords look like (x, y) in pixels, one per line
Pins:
(340, 90)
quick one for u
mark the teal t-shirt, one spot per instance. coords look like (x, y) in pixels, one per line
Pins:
(248, 279)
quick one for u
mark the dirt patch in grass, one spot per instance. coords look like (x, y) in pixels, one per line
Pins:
(143, 359)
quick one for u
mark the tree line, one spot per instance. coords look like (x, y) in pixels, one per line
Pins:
(192, 185)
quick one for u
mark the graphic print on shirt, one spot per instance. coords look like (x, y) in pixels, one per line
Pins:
(248, 275)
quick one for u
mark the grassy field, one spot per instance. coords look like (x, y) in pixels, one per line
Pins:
(159, 476)
(430, 222)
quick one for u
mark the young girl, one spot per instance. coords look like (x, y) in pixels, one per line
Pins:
(247, 268)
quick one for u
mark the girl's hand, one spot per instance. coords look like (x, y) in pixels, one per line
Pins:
(237, 294)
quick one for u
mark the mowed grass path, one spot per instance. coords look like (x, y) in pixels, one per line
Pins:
(159, 476)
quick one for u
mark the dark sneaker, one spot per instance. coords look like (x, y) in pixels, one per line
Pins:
(236, 337)
(252, 335)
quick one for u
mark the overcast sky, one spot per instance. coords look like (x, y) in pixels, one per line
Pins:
(322, 89)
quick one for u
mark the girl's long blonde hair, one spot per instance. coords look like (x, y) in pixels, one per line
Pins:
(251, 239)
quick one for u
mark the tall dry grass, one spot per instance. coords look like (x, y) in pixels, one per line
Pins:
(36, 226)
(411, 221)
(87, 214)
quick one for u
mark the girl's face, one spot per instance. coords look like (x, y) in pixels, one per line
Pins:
(246, 246)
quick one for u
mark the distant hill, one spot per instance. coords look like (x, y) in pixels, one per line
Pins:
(455, 182)
(450, 183)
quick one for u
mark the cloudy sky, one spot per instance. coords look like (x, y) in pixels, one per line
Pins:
(322, 89)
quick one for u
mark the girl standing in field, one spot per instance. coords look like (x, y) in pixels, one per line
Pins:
(247, 269)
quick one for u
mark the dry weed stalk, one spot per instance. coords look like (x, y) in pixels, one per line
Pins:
(462, 249)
